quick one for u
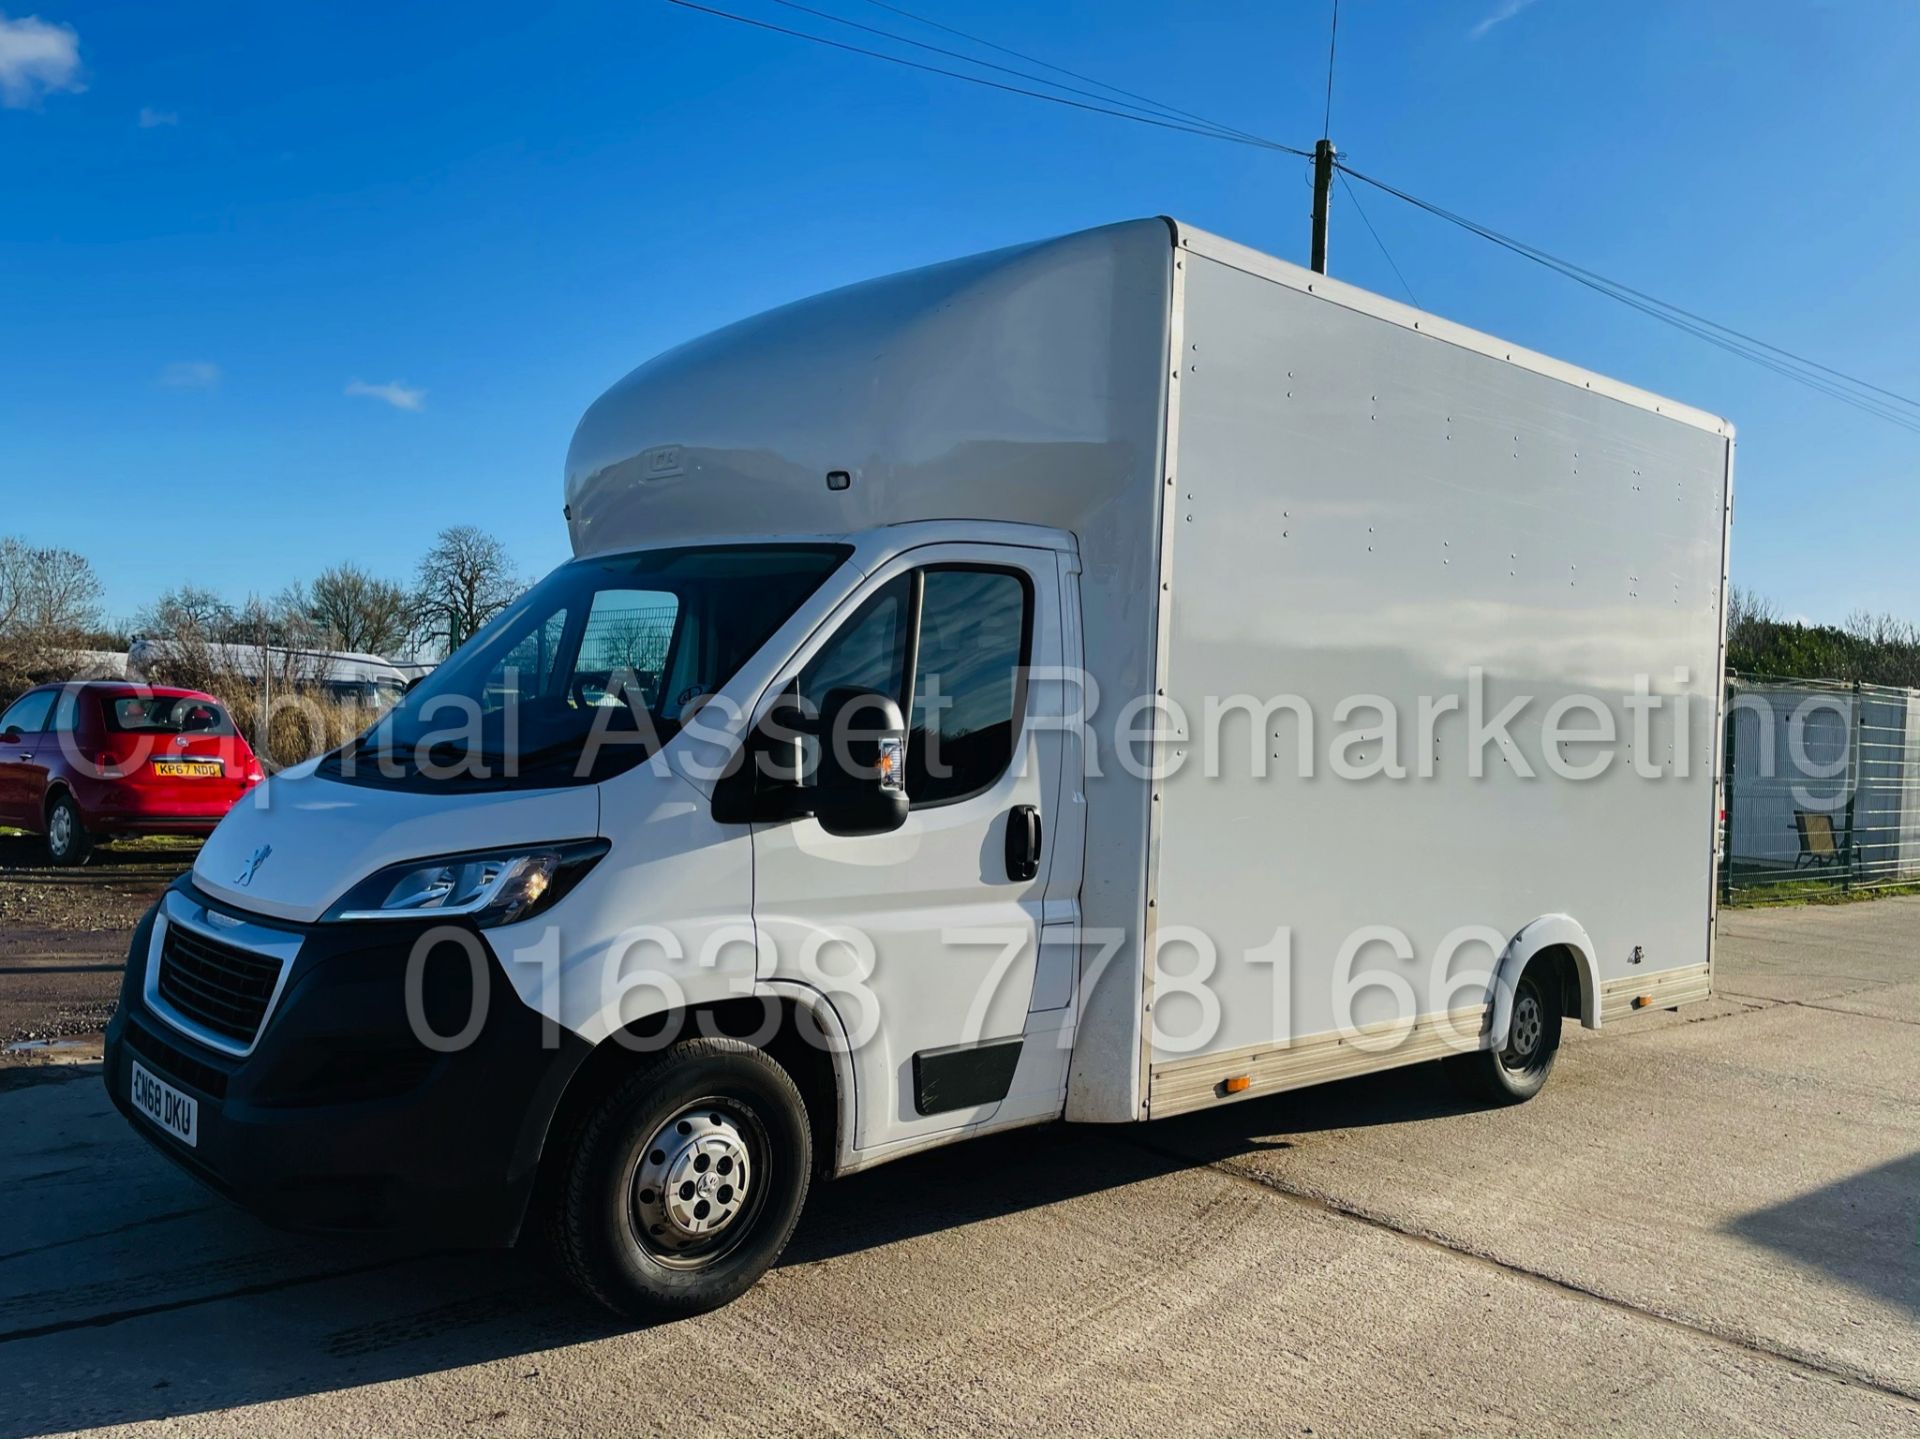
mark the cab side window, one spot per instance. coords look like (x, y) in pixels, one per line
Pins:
(967, 632)
(969, 683)
(869, 652)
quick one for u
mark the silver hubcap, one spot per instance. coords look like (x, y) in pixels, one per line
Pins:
(1526, 1027)
(60, 829)
(694, 1179)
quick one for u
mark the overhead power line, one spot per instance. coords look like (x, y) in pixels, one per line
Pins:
(1333, 39)
(1384, 253)
(1862, 394)
(1206, 131)
(967, 59)
(1062, 70)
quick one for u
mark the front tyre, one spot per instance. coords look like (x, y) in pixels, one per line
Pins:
(68, 842)
(685, 1182)
(1518, 1072)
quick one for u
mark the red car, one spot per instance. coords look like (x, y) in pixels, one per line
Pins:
(83, 761)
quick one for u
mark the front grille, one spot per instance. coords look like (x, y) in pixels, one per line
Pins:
(216, 986)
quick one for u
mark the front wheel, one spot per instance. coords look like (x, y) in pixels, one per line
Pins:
(1518, 1072)
(685, 1182)
(68, 842)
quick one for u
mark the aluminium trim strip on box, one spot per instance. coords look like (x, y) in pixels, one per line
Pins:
(1167, 492)
(1665, 988)
(1181, 1085)
(1719, 678)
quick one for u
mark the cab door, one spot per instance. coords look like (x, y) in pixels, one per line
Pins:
(925, 939)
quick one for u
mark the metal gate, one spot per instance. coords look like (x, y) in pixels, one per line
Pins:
(1822, 788)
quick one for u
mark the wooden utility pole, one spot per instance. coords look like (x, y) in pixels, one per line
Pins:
(1323, 157)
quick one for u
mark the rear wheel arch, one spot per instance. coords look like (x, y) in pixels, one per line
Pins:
(1560, 940)
(66, 836)
(55, 790)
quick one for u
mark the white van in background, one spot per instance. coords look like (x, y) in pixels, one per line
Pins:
(344, 676)
(1093, 680)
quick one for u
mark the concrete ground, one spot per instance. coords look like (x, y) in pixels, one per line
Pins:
(1709, 1223)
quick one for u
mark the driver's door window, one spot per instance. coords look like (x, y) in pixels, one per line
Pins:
(869, 653)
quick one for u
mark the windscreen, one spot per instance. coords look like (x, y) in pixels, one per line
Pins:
(590, 671)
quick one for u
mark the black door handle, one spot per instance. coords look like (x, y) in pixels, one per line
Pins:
(1023, 842)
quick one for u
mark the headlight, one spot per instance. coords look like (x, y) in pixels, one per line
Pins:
(489, 887)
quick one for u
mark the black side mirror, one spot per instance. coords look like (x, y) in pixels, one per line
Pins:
(861, 785)
(12, 734)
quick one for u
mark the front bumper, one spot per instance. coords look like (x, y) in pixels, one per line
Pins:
(341, 1117)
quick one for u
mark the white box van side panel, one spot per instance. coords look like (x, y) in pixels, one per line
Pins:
(1365, 509)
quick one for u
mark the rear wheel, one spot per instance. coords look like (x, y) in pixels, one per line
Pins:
(685, 1182)
(67, 839)
(1519, 1071)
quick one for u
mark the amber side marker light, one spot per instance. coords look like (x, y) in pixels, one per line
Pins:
(1641, 1001)
(1238, 1083)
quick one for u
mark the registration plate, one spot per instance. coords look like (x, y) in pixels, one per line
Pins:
(177, 1113)
(187, 768)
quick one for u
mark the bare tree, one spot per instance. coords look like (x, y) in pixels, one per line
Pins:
(49, 602)
(351, 609)
(464, 581)
(1749, 615)
(187, 611)
(1892, 645)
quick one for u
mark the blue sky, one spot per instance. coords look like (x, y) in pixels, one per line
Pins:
(283, 285)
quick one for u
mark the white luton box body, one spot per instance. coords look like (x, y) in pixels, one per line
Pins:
(1368, 501)
(1284, 493)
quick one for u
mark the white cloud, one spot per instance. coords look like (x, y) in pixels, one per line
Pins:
(152, 119)
(401, 397)
(1504, 12)
(190, 375)
(36, 59)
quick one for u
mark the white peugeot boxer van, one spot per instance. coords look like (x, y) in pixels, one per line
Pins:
(1092, 680)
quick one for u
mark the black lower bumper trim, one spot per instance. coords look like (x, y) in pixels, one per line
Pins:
(342, 1118)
